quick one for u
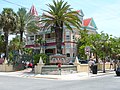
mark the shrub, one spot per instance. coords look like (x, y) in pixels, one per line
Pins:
(37, 58)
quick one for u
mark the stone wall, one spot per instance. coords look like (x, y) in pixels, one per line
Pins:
(85, 67)
(40, 67)
(107, 66)
(6, 68)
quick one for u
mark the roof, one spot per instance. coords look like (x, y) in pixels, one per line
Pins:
(86, 22)
(80, 12)
(33, 11)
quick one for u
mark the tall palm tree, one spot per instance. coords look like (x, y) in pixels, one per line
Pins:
(27, 22)
(60, 15)
(14, 44)
(2, 44)
(41, 42)
(8, 23)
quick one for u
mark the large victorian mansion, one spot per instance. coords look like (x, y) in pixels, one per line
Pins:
(69, 47)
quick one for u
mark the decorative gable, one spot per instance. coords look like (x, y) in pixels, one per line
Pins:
(86, 22)
(89, 23)
(80, 12)
(33, 11)
(92, 24)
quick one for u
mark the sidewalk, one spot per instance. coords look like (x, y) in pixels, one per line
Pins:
(74, 76)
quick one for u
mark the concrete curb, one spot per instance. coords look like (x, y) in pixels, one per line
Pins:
(75, 76)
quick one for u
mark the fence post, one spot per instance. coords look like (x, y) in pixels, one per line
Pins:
(38, 68)
(77, 64)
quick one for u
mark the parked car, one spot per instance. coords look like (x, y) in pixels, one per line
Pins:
(30, 65)
(71, 62)
(80, 61)
(118, 71)
(83, 61)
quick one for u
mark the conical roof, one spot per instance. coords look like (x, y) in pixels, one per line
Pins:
(33, 11)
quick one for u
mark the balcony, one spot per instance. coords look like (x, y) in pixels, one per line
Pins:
(48, 40)
(30, 42)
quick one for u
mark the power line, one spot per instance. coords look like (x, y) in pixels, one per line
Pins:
(14, 3)
(17, 4)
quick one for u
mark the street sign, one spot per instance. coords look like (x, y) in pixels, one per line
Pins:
(87, 50)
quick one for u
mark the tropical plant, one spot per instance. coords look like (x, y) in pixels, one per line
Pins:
(26, 22)
(115, 50)
(58, 17)
(14, 44)
(8, 23)
(99, 43)
(2, 44)
(95, 40)
(43, 56)
(82, 42)
(41, 42)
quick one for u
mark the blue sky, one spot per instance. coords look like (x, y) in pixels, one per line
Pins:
(106, 13)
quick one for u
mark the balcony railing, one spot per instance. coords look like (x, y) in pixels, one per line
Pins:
(48, 40)
(30, 42)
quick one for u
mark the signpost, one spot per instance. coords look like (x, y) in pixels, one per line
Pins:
(87, 51)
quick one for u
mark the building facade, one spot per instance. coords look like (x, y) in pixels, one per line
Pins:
(69, 46)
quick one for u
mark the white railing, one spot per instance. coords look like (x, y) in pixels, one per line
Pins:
(48, 40)
(30, 42)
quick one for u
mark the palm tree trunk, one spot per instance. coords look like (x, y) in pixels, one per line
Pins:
(104, 65)
(115, 62)
(58, 33)
(21, 36)
(96, 58)
(6, 44)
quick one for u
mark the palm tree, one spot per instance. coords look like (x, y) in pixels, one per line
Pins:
(60, 15)
(2, 44)
(8, 23)
(41, 42)
(27, 22)
(14, 44)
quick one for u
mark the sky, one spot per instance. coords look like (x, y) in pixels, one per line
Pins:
(106, 13)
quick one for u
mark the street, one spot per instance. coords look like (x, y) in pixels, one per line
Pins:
(106, 82)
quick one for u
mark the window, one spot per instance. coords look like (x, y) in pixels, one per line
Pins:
(39, 36)
(68, 45)
(48, 35)
(52, 34)
(73, 55)
(73, 37)
(67, 35)
(31, 37)
(68, 54)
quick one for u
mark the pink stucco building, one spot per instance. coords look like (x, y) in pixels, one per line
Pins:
(69, 47)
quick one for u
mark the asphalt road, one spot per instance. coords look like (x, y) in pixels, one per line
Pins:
(107, 82)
